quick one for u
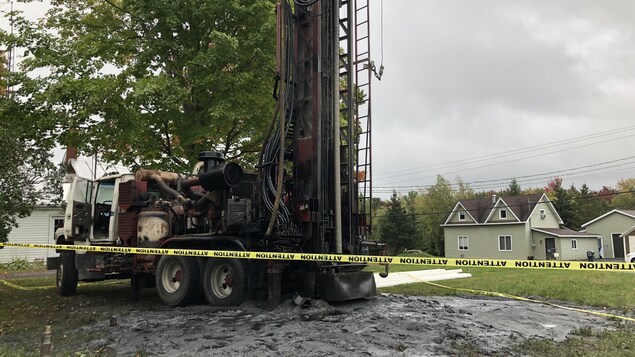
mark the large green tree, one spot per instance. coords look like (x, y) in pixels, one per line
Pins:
(587, 206)
(398, 227)
(562, 201)
(625, 199)
(27, 175)
(149, 82)
(436, 205)
(514, 188)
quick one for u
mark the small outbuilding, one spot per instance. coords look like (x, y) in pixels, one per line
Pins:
(616, 232)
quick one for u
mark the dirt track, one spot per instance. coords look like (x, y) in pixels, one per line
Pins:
(384, 326)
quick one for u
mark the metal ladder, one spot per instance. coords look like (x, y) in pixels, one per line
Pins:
(363, 77)
(356, 73)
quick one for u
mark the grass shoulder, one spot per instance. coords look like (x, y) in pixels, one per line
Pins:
(615, 290)
(25, 313)
(22, 265)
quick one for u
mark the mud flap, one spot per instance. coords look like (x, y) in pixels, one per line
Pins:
(345, 286)
(52, 263)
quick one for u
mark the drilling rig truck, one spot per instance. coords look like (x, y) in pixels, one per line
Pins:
(309, 193)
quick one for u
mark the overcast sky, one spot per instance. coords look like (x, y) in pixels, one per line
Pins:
(494, 89)
(489, 90)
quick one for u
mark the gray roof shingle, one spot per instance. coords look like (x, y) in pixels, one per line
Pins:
(522, 206)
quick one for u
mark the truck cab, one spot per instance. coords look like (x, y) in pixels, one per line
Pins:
(92, 210)
(91, 218)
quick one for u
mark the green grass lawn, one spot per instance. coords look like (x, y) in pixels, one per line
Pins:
(25, 313)
(614, 290)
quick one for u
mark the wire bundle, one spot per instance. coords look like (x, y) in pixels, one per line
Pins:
(272, 155)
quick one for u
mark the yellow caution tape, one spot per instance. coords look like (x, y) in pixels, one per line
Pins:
(520, 298)
(19, 287)
(15, 286)
(343, 258)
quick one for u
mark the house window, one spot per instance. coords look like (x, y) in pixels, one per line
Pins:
(463, 244)
(502, 214)
(574, 244)
(542, 214)
(505, 243)
(461, 216)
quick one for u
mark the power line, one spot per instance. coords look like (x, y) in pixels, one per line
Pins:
(521, 150)
(529, 178)
(513, 152)
(515, 160)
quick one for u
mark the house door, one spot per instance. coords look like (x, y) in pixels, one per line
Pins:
(550, 248)
(618, 246)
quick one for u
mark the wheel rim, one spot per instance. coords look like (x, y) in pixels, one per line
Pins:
(222, 280)
(171, 277)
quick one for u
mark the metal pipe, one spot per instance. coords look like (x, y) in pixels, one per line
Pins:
(145, 175)
(169, 190)
(335, 75)
(160, 177)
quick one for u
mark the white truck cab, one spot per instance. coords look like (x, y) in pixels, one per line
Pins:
(92, 210)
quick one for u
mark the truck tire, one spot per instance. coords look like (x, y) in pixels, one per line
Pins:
(66, 277)
(225, 282)
(177, 280)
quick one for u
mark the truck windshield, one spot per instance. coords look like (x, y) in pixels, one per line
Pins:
(105, 192)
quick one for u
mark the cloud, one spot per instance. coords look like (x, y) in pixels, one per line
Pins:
(468, 78)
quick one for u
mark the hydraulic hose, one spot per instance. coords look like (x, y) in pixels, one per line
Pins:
(281, 128)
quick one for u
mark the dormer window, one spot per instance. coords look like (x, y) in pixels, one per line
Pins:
(502, 214)
(462, 216)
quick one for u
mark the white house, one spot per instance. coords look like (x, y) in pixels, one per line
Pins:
(37, 228)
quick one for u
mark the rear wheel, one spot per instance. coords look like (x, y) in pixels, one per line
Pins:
(177, 280)
(633, 260)
(225, 282)
(66, 277)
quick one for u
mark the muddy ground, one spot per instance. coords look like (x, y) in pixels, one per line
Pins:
(387, 325)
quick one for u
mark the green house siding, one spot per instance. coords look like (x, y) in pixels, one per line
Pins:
(583, 245)
(549, 220)
(483, 241)
(537, 244)
(563, 246)
(615, 223)
(496, 216)
(455, 219)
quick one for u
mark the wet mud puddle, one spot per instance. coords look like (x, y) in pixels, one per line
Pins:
(387, 325)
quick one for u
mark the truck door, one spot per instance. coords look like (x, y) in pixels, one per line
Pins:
(103, 218)
(78, 218)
